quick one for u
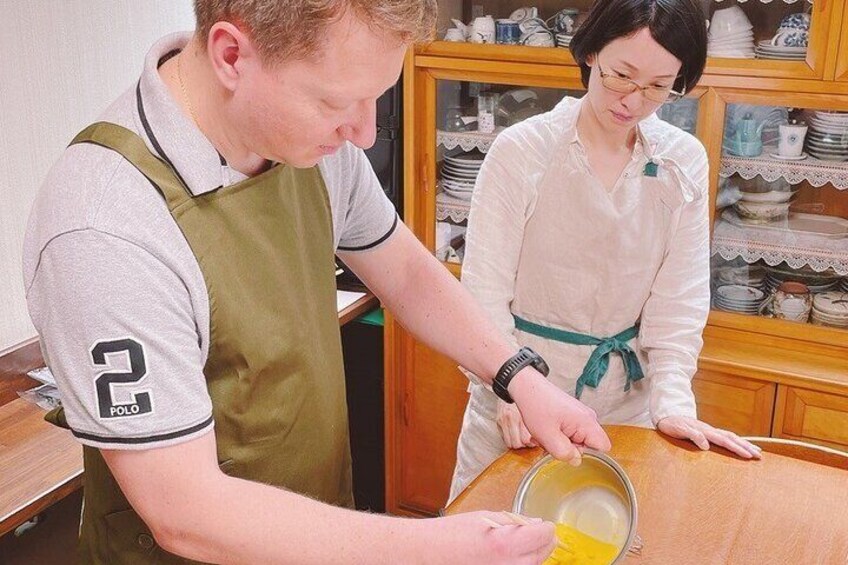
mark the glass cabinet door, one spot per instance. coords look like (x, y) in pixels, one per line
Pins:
(469, 116)
(780, 239)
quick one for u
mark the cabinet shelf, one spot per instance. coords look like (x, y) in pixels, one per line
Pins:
(798, 250)
(817, 172)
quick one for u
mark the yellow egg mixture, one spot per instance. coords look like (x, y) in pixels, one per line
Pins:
(581, 549)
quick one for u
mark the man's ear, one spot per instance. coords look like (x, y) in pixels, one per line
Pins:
(229, 50)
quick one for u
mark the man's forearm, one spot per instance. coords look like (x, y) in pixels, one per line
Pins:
(244, 522)
(431, 304)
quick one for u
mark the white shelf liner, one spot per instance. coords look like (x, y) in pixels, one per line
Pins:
(467, 140)
(451, 209)
(774, 247)
(818, 173)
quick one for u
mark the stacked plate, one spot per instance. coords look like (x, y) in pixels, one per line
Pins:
(459, 174)
(816, 282)
(765, 50)
(830, 309)
(738, 298)
(827, 137)
(563, 39)
(737, 45)
(744, 275)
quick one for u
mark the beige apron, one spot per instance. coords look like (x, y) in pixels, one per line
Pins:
(274, 371)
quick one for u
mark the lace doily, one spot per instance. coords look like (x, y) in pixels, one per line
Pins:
(774, 247)
(451, 209)
(467, 140)
(817, 173)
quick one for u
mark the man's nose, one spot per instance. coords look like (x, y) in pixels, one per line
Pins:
(361, 129)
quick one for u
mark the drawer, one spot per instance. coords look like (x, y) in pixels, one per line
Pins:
(808, 415)
(741, 405)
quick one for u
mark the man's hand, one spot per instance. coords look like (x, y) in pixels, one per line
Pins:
(515, 433)
(468, 538)
(560, 423)
(702, 434)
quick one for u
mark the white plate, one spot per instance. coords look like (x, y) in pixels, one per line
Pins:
(467, 175)
(772, 196)
(831, 227)
(458, 194)
(821, 127)
(784, 158)
(739, 293)
(830, 158)
(457, 186)
(767, 46)
(466, 160)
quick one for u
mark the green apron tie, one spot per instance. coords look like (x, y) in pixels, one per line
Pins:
(598, 363)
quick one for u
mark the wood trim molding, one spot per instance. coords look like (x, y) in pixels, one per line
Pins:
(15, 362)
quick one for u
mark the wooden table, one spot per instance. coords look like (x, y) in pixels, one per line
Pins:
(40, 463)
(707, 507)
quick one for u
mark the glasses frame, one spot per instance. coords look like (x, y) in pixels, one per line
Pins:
(671, 96)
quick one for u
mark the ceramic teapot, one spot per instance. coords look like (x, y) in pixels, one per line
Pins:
(747, 141)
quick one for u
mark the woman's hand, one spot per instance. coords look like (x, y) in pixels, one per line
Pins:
(515, 433)
(702, 434)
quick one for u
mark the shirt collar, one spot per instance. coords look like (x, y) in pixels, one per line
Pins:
(646, 143)
(172, 135)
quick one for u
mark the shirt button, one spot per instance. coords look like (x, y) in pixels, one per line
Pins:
(145, 541)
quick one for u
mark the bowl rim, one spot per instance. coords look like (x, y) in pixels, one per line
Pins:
(523, 486)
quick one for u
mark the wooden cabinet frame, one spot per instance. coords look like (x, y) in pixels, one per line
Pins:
(789, 371)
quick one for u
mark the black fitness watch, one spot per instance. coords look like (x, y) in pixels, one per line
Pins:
(508, 370)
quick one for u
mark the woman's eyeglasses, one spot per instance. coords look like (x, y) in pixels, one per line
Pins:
(626, 86)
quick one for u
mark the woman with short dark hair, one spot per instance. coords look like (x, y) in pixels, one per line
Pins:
(588, 238)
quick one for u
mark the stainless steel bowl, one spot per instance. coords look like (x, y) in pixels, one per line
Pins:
(596, 498)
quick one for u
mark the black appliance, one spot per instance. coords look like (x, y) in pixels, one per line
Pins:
(363, 343)
(386, 155)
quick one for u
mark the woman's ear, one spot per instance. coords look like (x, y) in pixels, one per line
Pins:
(590, 60)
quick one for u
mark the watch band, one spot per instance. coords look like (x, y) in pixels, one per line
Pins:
(513, 365)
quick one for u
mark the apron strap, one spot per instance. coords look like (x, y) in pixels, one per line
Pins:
(130, 146)
(598, 363)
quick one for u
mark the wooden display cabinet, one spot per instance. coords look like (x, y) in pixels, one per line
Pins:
(757, 376)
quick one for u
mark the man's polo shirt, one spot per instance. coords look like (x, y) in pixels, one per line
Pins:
(104, 260)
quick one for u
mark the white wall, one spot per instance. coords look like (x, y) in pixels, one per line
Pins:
(61, 63)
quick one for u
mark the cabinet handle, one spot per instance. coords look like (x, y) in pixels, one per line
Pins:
(425, 177)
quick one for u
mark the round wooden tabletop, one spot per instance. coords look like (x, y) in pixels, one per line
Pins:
(706, 506)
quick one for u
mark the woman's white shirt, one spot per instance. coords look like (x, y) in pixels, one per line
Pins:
(548, 242)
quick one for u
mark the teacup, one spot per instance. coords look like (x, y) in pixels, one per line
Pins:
(454, 34)
(791, 142)
(522, 14)
(564, 20)
(532, 24)
(483, 30)
(791, 38)
(538, 38)
(791, 301)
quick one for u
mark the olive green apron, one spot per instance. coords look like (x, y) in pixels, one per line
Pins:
(274, 371)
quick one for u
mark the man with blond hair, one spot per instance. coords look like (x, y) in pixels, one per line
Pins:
(179, 270)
